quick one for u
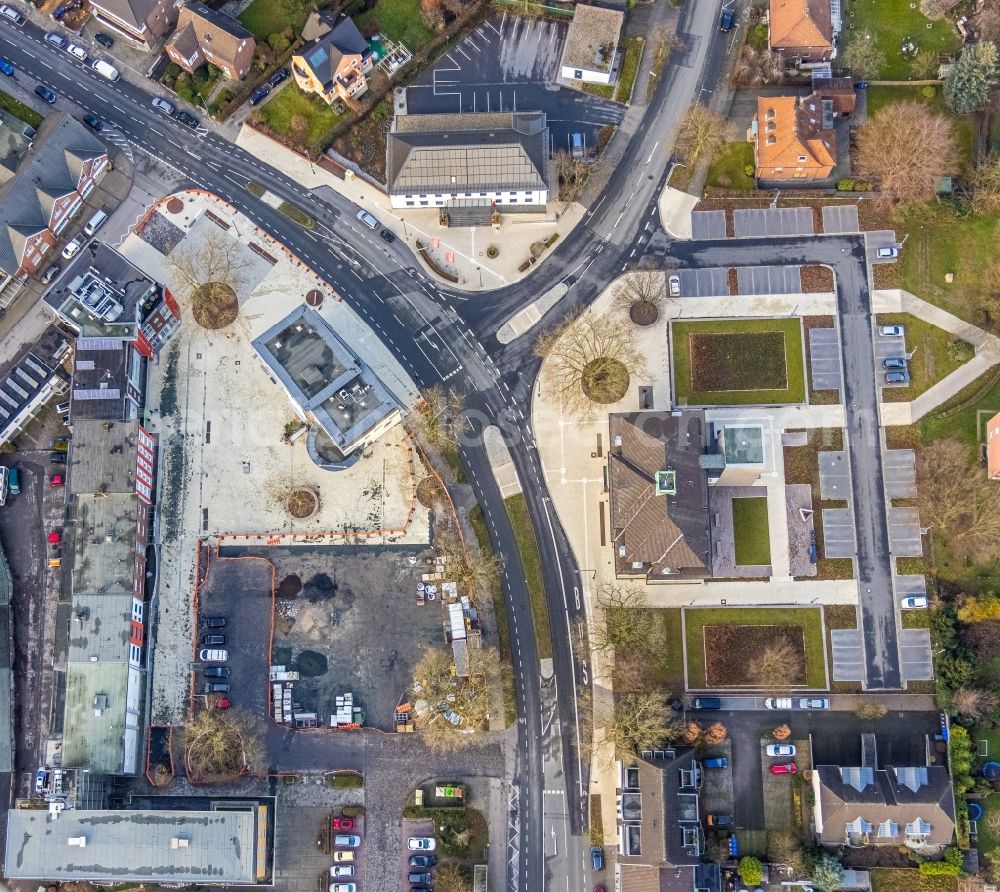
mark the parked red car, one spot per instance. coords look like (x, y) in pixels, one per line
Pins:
(223, 703)
(56, 479)
(54, 538)
(343, 823)
(783, 769)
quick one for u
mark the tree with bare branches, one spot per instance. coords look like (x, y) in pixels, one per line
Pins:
(864, 58)
(956, 498)
(473, 573)
(985, 184)
(906, 148)
(639, 723)
(776, 664)
(924, 64)
(624, 624)
(211, 271)
(439, 419)
(758, 67)
(589, 361)
(974, 702)
(640, 294)
(781, 732)
(450, 877)
(702, 135)
(450, 710)
(573, 174)
(222, 745)
(715, 733)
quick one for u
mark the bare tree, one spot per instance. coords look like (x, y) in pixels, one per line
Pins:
(450, 877)
(715, 733)
(955, 497)
(573, 175)
(473, 573)
(924, 64)
(906, 148)
(758, 67)
(781, 732)
(988, 21)
(776, 664)
(974, 702)
(439, 419)
(624, 623)
(785, 847)
(702, 135)
(432, 14)
(864, 58)
(639, 723)
(589, 361)
(450, 710)
(211, 271)
(870, 709)
(986, 185)
(221, 745)
(640, 294)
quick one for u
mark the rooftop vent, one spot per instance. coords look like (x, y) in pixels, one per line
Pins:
(179, 842)
(79, 841)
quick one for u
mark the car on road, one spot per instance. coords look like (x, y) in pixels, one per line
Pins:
(215, 622)
(422, 861)
(41, 780)
(93, 122)
(349, 841)
(717, 820)
(387, 236)
(50, 274)
(57, 458)
(891, 331)
(260, 94)
(597, 858)
(11, 14)
(14, 482)
(187, 119)
(6, 67)
(105, 40)
(77, 52)
(421, 844)
(367, 219)
(278, 77)
(159, 103)
(73, 247)
(343, 856)
(342, 870)
(897, 378)
(726, 19)
(778, 703)
(894, 362)
(213, 640)
(888, 251)
(45, 93)
(56, 480)
(717, 762)
(216, 687)
(706, 703)
(343, 887)
(419, 879)
(216, 672)
(342, 823)
(675, 286)
(54, 538)
(788, 768)
(814, 703)
(780, 749)
(56, 39)
(211, 655)
(914, 602)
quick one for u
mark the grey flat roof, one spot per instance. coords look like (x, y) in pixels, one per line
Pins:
(99, 628)
(210, 847)
(592, 38)
(94, 719)
(103, 456)
(325, 377)
(104, 543)
(744, 444)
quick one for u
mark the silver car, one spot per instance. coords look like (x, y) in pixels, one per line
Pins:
(166, 107)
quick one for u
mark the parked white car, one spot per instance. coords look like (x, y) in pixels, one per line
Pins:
(778, 703)
(342, 870)
(814, 703)
(77, 52)
(73, 248)
(421, 843)
(914, 602)
(891, 331)
(350, 842)
(780, 749)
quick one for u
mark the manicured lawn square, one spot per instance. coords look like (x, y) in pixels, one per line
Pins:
(753, 542)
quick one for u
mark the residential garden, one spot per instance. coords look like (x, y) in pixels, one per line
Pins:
(750, 532)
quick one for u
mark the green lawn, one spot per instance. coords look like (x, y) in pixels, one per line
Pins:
(989, 840)
(763, 355)
(264, 17)
(664, 668)
(290, 103)
(809, 619)
(752, 539)
(891, 879)
(531, 566)
(936, 354)
(19, 110)
(890, 22)
(964, 417)
(727, 171)
(399, 20)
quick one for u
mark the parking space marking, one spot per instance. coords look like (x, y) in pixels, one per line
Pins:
(838, 533)
(824, 358)
(848, 654)
(704, 282)
(764, 280)
(840, 218)
(904, 532)
(708, 225)
(915, 654)
(756, 222)
(900, 473)
(911, 585)
(834, 477)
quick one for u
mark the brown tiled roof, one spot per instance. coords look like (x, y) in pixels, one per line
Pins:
(213, 30)
(640, 878)
(786, 134)
(800, 24)
(667, 534)
(184, 40)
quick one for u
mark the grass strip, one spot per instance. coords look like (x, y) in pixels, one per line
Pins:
(531, 565)
(20, 110)
(297, 215)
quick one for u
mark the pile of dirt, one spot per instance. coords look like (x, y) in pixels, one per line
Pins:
(319, 588)
(311, 664)
(290, 586)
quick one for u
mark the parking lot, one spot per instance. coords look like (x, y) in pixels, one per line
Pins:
(824, 358)
(509, 63)
(704, 282)
(904, 532)
(888, 348)
(757, 222)
(834, 475)
(848, 653)
(838, 533)
(900, 473)
(915, 654)
(769, 279)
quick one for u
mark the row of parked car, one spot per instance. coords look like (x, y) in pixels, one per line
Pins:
(214, 653)
(421, 863)
(344, 855)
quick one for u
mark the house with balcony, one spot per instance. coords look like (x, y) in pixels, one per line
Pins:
(204, 35)
(144, 22)
(335, 60)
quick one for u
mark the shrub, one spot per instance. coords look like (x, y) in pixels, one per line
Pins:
(929, 91)
(845, 185)
(345, 781)
(278, 42)
(751, 871)
(782, 732)
(723, 180)
(749, 170)
(949, 866)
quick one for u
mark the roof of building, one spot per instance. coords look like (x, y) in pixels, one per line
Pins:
(104, 543)
(23, 380)
(592, 38)
(641, 878)
(200, 26)
(743, 444)
(14, 143)
(100, 379)
(6, 741)
(800, 24)
(888, 799)
(474, 152)
(993, 446)
(330, 39)
(171, 847)
(659, 494)
(102, 294)
(325, 377)
(132, 12)
(99, 629)
(94, 718)
(102, 456)
(788, 136)
(838, 90)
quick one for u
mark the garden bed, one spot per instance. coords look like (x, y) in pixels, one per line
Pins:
(729, 648)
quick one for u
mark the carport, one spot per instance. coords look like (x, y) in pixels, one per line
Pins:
(758, 222)
(838, 533)
(769, 279)
(704, 282)
(848, 654)
(824, 358)
(904, 532)
(840, 219)
(915, 654)
(900, 473)
(834, 475)
(708, 225)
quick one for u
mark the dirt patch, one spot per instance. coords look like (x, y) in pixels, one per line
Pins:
(816, 279)
(605, 380)
(319, 588)
(728, 648)
(311, 664)
(175, 206)
(741, 361)
(429, 492)
(215, 305)
(643, 313)
(289, 587)
(302, 503)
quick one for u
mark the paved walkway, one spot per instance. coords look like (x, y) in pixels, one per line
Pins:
(675, 211)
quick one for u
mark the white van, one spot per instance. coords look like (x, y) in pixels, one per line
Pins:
(95, 222)
(105, 70)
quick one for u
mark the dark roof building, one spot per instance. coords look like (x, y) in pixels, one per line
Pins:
(144, 21)
(205, 35)
(660, 523)
(336, 37)
(30, 380)
(485, 158)
(108, 380)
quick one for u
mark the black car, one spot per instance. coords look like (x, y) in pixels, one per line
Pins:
(260, 94)
(57, 458)
(421, 879)
(213, 640)
(50, 273)
(104, 40)
(726, 19)
(422, 860)
(216, 672)
(216, 687)
(215, 622)
(706, 703)
(278, 77)
(387, 236)
(186, 118)
(45, 93)
(93, 122)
